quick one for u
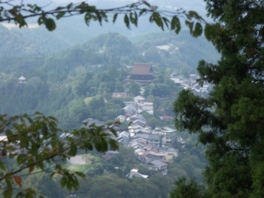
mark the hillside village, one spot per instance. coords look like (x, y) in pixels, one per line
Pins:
(152, 147)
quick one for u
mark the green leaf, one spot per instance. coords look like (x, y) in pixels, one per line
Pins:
(156, 17)
(21, 159)
(87, 18)
(73, 150)
(115, 17)
(166, 21)
(8, 193)
(113, 144)
(20, 20)
(113, 131)
(126, 20)
(146, 3)
(69, 6)
(132, 19)
(80, 174)
(210, 31)
(63, 181)
(2, 166)
(50, 24)
(193, 14)
(142, 11)
(175, 24)
(136, 18)
(60, 15)
(99, 17)
(198, 30)
(190, 25)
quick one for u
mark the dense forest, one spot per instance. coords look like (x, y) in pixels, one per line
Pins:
(62, 84)
(75, 83)
(218, 106)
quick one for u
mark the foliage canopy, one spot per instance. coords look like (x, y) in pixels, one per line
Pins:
(19, 13)
(229, 121)
(36, 143)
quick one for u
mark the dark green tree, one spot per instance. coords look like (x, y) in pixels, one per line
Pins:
(229, 120)
(134, 89)
(33, 144)
(186, 189)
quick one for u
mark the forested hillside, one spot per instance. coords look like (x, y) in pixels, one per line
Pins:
(57, 84)
(77, 82)
(111, 96)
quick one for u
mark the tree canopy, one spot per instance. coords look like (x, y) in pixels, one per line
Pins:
(19, 13)
(35, 142)
(229, 120)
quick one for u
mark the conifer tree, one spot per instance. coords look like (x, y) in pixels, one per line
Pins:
(230, 120)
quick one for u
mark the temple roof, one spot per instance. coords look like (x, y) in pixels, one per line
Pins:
(22, 78)
(142, 69)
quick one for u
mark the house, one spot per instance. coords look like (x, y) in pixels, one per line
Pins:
(141, 73)
(22, 80)
(121, 118)
(147, 106)
(139, 99)
(137, 117)
(154, 140)
(141, 123)
(130, 103)
(130, 109)
(151, 139)
(123, 137)
(157, 165)
(145, 130)
(167, 135)
(169, 153)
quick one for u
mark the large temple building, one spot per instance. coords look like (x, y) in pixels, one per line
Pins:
(141, 73)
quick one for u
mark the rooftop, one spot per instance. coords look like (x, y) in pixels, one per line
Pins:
(142, 69)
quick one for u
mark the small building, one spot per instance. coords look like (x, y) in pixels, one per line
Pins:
(139, 99)
(141, 73)
(121, 118)
(22, 80)
(130, 110)
(157, 165)
(152, 139)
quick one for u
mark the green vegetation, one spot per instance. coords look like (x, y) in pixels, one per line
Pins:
(33, 144)
(74, 88)
(78, 83)
(71, 84)
(229, 121)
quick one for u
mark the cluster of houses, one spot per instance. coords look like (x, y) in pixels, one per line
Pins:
(191, 83)
(152, 147)
(137, 106)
